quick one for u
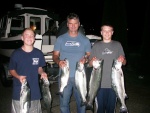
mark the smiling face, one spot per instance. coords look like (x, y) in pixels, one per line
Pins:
(107, 32)
(73, 24)
(28, 37)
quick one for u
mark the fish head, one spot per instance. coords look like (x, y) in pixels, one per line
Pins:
(67, 62)
(65, 69)
(97, 63)
(24, 83)
(24, 86)
(80, 66)
(45, 82)
(117, 64)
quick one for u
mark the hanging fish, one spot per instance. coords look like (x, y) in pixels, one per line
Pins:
(64, 76)
(80, 82)
(24, 97)
(46, 94)
(94, 83)
(118, 84)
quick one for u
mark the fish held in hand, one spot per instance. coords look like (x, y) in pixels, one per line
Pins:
(24, 97)
(80, 82)
(46, 94)
(94, 83)
(118, 84)
(64, 76)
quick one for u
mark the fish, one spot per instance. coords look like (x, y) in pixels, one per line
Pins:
(25, 101)
(117, 78)
(80, 82)
(94, 82)
(64, 77)
(46, 95)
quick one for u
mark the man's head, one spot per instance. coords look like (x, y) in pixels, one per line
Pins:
(73, 16)
(73, 22)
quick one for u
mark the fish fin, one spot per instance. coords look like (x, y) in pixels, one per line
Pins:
(61, 94)
(126, 97)
(90, 107)
(123, 110)
(83, 103)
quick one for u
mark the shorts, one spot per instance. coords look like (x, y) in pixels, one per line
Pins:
(35, 106)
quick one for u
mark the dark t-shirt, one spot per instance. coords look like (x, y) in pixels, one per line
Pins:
(27, 64)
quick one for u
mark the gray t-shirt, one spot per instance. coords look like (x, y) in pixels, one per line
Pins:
(109, 52)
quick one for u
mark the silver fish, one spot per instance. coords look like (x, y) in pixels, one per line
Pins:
(24, 97)
(80, 82)
(46, 94)
(94, 83)
(64, 77)
(118, 84)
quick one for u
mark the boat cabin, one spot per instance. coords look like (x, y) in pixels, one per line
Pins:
(43, 22)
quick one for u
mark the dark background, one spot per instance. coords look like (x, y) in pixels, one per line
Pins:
(129, 18)
(91, 12)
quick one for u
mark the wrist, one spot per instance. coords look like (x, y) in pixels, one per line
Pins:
(58, 62)
(41, 73)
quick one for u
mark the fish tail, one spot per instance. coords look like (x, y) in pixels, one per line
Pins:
(49, 110)
(90, 107)
(83, 103)
(126, 97)
(123, 110)
(61, 94)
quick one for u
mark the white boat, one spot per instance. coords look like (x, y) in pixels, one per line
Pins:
(12, 24)
(43, 22)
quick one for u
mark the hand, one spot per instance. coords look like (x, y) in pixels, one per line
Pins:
(62, 63)
(83, 60)
(44, 75)
(91, 61)
(121, 58)
(22, 79)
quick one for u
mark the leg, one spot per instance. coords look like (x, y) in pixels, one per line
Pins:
(64, 101)
(80, 109)
(100, 101)
(111, 103)
(15, 106)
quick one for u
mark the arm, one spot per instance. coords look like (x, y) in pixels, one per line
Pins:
(56, 55)
(42, 73)
(85, 59)
(91, 61)
(56, 59)
(122, 59)
(15, 74)
(87, 55)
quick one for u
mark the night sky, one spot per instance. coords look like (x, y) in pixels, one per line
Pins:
(90, 13)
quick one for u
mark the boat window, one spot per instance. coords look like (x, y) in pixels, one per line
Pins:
(3, 25)
(17, 23)
(35, 24)
(3, 22)
(50, 26)
(17, 26)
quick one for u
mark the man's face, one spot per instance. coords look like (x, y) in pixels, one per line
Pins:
(73, 25)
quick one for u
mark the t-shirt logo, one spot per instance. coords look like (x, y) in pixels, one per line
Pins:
(35, 61)
(72, 43)
(107, 51)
